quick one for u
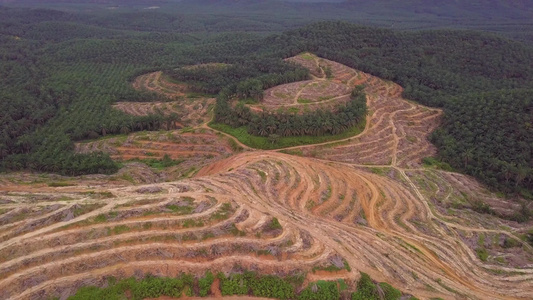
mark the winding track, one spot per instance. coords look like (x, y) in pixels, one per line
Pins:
(328, 206)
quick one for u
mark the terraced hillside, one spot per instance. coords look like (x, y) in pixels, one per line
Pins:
(190, 109)
(332, 210)
(157, 83)
(331, 85)
(396, 131)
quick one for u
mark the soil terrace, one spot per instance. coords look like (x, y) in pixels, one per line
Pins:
(322, 92)
(364, 200)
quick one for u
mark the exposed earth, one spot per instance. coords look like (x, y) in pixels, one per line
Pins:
(367, 201)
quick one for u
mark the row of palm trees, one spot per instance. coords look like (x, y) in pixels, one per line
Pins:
(316, 123)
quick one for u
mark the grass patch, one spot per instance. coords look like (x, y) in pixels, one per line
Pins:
(149, 287)
(192, 223)
(379, 171)
(249, 101)
(85, 209)
(234, 146)
(121, 138)
(120, 229)
(190, 172)
(208, 235)
(274, 224)
(333, 268)
(64, 198)
(511, 243)
(367, 289)
(236, 232)
(296, 152)
(307, 56)
(432, 162)
(482, 253)
(160, 164)
(320, 290)
(304, 101)
(128, 177)
(223, 212)
(259, 142)
(100, 218)
(411, 139)
(180, 210)
(293, 110)
(413, 247)
(262, 174)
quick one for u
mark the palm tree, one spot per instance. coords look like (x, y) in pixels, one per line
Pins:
(468, 155)
(521, 173)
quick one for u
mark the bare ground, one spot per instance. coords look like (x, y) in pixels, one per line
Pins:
(365, 199)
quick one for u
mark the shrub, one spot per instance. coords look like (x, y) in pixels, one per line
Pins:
(274, 224)
(482, 254)
(205, 283)
(366, 289)
(321, 290)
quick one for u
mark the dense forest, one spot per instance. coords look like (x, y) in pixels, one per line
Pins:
(511, 18)
(63, 70)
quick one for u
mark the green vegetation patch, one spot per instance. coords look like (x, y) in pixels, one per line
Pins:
(274, 224)
(149, 287)
(482, 253)
(246, 284)
(432, 162)
(259, 142)
(251, 283)
(320, 290)
(368, 290)
(307, 56)
(304, 101)
(165, 162)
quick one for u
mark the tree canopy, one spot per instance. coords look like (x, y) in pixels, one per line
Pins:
(62, 71)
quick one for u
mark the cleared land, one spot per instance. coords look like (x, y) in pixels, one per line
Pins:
(157, 83)
(331, 85)
(189, 150)
(366, 201)
(190, 109)
(396, 131)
